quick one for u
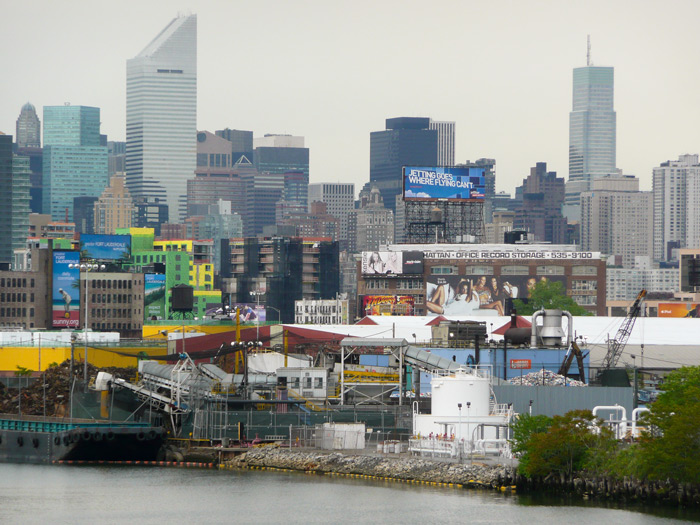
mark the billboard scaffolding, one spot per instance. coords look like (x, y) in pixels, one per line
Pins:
(456, 222)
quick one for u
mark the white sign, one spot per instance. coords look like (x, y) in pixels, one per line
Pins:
(536, 254)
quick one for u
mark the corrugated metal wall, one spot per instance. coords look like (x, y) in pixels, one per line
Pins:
(557, 400)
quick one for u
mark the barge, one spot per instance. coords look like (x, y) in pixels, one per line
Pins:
(45, 440)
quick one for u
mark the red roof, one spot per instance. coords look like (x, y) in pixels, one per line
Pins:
(520, 322)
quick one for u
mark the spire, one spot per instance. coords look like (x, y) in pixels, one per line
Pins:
(588, 51)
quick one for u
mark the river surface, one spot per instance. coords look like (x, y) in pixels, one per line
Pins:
(145, 495)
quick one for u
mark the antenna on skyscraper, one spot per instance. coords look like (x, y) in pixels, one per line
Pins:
(588, 51)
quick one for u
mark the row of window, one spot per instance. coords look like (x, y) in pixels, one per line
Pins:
(110, 298)
(112, 312)
(16, 297)
(16, 312)
(15, 282)
(520, 269)
(294, 382)
(117, 284)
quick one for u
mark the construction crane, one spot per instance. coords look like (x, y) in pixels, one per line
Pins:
(617, 345)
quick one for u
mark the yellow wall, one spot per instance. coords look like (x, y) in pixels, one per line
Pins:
(153, 332)
(29, 357)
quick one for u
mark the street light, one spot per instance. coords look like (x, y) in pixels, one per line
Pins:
(469, 404)
(459, 434)
(86, 267)
(279, 315)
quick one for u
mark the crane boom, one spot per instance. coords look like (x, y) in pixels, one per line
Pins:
(617, 345)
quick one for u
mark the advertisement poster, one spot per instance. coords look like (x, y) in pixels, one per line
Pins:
(388, 304)
(105, 247)
(250, 313)
(392, 263)
(154, 296)
(65, 293)
(689, 310)
(443, 183)
(478, 294)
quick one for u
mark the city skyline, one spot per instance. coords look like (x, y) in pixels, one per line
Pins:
(501, 71)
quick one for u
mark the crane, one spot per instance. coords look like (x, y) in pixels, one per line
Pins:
(617, 345)
(574, 351)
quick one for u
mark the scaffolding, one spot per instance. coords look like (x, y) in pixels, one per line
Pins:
(461, 221)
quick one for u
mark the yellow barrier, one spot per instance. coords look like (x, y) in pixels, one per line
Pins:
(37, 360)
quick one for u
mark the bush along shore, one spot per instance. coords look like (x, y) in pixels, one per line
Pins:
(413, 470)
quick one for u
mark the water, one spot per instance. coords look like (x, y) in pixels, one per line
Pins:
(144, 495)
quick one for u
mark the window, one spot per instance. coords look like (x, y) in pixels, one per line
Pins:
(515, 270)
(307, 382)
(294, 383)
(550, 270)
(443, 270)
(584, 270)
(318, 382)
(478, 270)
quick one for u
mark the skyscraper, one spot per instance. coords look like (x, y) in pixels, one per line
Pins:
(446, 142)
(592, 133)
(28, 128)
(676, 190)
(540, 213)
(74, 162)
(14, 200)
(407, 141)
(161, 117)
(340, 201)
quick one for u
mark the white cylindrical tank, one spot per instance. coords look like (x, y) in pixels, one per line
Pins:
(460, 387)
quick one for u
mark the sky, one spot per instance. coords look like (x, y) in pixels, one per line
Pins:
(333, 71)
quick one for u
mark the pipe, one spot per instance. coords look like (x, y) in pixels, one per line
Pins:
(622, 422)
(570, 332)
(635, 419)
(533, 337)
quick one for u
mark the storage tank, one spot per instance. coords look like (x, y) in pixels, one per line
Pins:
(462, 386)
(436, 215)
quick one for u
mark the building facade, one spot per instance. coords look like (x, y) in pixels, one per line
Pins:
(475, 279)
(114, 208)
(339, 198)
(617, 218)
(372, 224)
(323, 311)
(445, 143)
(75, 164)
(161, 117)
(542, 200)
(592, 132)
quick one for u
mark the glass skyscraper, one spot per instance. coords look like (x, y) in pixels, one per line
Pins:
(592, 133)
(161, 117)
(74, 162)
(28, 128)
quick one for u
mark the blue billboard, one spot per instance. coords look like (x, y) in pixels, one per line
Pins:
(105, 247)
(65, 292)
(447, 183)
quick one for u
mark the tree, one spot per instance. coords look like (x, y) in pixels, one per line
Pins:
(564, 445)
(549, 295)
(671, 449)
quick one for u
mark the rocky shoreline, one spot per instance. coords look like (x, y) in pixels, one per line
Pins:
(476, 475)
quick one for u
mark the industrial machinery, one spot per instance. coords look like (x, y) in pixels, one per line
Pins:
(574, 351)
(617, 345)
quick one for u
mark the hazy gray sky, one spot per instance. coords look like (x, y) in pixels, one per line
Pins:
(332, 71)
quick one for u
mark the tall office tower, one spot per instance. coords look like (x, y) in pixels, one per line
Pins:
(14, 200)
(340, 200)
(294, 196)
(281, 154)
(540, 213)
(676, 189)
(407, 141)
(592, 133)
(116, 157)
(114, 209)
(241, 143)
(616, 218)
(84, 214)
(161, 117)
(74, 162)
(446, 142)
(28, 128)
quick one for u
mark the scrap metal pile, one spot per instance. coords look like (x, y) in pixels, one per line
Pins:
(545, 378)
(54, 395)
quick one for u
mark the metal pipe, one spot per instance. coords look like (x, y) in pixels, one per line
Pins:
(533, 336)
(635, 418)
(570, 331)
(622, 421)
